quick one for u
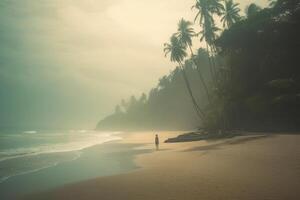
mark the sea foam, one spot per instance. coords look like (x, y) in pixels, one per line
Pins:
(45, 148)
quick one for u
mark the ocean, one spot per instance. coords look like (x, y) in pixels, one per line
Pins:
(33, 161)
(29, 151)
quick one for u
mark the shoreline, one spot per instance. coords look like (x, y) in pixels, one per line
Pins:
(245, 167)
(109, 158)
(77, 151)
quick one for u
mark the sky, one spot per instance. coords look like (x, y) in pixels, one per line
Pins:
(67, 63)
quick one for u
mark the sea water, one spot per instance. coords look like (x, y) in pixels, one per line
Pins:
(35, 161)
(28, 151)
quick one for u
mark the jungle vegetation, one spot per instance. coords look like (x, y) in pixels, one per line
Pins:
(247, 77)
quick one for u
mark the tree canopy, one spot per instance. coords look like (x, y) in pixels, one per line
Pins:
(250, 73)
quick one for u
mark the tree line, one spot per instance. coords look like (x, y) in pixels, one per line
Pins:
(247, 77)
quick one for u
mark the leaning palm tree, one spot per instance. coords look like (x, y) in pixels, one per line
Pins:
(230, 13)
(208, 34)
(205, 11)
(177, 54)
(185, 34)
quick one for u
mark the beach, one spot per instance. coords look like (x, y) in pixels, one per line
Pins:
(255, 166)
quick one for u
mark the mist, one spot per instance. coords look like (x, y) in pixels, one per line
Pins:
(66, 64)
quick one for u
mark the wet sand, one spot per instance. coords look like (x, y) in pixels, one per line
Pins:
(245, 167)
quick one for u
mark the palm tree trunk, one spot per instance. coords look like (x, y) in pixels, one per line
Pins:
(198, 110)
(211, 66)
(200, 76)
(213, 62)
(222, 114)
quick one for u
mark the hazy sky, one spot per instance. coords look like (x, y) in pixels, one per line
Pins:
(66, 63)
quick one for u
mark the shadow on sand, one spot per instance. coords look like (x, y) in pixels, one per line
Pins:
(238, 140)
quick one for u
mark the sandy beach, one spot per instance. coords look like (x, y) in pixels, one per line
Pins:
(251, 167)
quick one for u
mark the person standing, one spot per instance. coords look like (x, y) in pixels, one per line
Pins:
(156, 142)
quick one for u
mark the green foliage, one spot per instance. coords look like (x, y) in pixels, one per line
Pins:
(252, 71)
(252, 9)
(261, 53)
(185, 32)
(176, 49)
(230, 13)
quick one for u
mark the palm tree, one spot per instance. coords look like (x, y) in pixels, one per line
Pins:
(177, 54)
(203, 11)
(230, 13)
(252, 9)
(176, 50)
(206, 10)
(208, 34)
(185, 34)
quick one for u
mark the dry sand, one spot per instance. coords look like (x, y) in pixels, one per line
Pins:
(246, 167)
